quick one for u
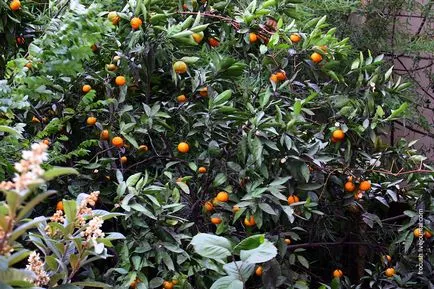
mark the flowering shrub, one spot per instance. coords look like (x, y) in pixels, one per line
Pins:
(69, 240)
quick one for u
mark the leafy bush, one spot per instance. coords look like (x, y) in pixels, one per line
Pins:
(234, 139)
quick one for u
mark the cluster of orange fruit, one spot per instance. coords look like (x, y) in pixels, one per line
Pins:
(278, 76)
(166, 284)
(223, 197)
(350, 187)
(15, 5)
(202, 92)
(425, 233)
(390, 271)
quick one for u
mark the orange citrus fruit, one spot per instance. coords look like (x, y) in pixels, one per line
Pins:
(29, 65)
(123, 160)
(59, 206)
(281, 75)
(203, 91)
(181, 98)
(427, 234)
(213, 42)
(258, 271)
(390, 272)
(338, 273)
(287, 241)
(253, 37)
(104, 135)
(35, 119)
(136, 22)
(338, 134)
(183, 147)
(293, 199)
(417, 232)
(316, 57)
(15, 5)
(111, 67)
(143, 148)
(202, 170)
(46, 141)
(118, 142)
(388, 258)
(365, 186)
(180, 67)
(349, 187)
(273, 78)
(235, 208)
(295, 38)
(249, 222)
(86, 88)
(222, 197)
(91, 120)
(120, 80)
(208, 206)
(216, 220)
(197, 37)
(167, 285)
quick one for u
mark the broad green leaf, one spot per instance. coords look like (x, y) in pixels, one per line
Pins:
(263, 253)
(211, 246)
(249, 243)
(227, 282)
(57, 172)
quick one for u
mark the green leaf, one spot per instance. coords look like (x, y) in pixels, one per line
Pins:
(211, 246)
(145, 211)
(303, 261)
(18, 257)
(57, 172)
(240, 270)
(263, 253)
(249, 243)
(11, 131)
(70, 207)
(309, 187)
(26, 226)
(227, 282)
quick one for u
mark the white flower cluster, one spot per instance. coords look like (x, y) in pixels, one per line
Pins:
(37, 266)
(93, 230)
(28, 169)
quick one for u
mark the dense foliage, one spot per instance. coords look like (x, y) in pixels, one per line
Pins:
(226, 145)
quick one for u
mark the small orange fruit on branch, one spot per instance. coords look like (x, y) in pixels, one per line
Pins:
(15, 5)
(390, 272)
(118, 142)
(249, 222)
(338, 273)
(120, 80)
(365, 186)
(86, 88)
(253, 38)
(183, 147)
(104, 135)
(295, 38)
(216, 220)
(259, 271)
(180, 67)
(91, 120)
(222, 197)
(136, 23)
